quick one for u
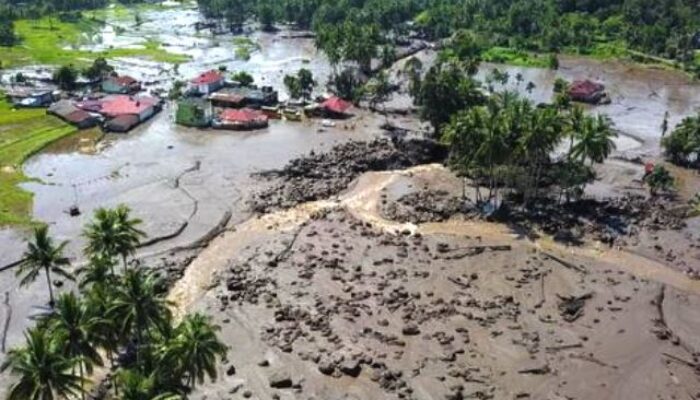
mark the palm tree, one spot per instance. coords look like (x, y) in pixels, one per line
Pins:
(194, 349)
(45, 373)
(73, 326)
(101, 235)
(128, 235)
(98, 271)
(43, 255)
(113, 233)
(139, 306)
(538, 140)
(136, 386)
(594, 140)
(99, 300)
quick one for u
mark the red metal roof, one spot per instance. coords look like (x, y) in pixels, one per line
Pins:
(207, 78)
(336, 105)
(122, 105)
(242, 115)
(585, 88)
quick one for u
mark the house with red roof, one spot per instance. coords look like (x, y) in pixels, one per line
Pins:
(207, 82)
(120, 85)
(143, 107)
(241, 119)
(586, 91)
(336, 107)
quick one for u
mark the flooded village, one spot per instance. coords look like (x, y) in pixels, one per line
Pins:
(334, 242)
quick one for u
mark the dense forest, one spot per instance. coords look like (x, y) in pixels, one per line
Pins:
(663, 28)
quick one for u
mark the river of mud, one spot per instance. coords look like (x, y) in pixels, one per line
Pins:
(171, 175)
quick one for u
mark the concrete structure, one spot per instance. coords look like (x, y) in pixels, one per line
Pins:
(193, 112)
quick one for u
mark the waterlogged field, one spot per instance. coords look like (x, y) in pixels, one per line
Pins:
(55, 42)
(22, 134)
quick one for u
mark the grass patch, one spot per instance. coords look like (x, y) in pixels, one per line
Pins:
(50, 41)
(245, 46)
(505, 55)
(23, 133)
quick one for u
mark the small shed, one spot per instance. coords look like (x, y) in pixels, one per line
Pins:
(121, 85)
(193, 112)
(335, 107)
(243, 119)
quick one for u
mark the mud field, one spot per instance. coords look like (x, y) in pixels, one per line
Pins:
(360, 273)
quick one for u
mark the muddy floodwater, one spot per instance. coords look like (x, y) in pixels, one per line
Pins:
(173, 176)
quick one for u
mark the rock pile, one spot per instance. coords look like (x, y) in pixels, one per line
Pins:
(320, 176)
(425, 206)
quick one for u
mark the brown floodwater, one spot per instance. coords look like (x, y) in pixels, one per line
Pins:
(141, 168)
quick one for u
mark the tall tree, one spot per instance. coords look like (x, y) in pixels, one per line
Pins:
(44, 372)
(73, 325)
(43, 255)
(594, 141)
(113, 233)
(139, 306)
(128, 234)
(446, 89)
(194, 349)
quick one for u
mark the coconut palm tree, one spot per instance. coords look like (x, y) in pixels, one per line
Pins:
(136, 386)
(538, 140)
(128, 235)
(44, 372)
(99, 300)
(98, 271)
(139, 306)
(73, 325)
(113, 233)
(594, 142)
(101, 235)
(194, 349)
(43, 255)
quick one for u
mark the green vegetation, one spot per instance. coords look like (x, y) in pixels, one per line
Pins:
(22, 133)
(665, 31)
(244, 47)
(507, 145)
(300, 85)
(659, 180)
(503, 55)
(48, 41)
(42, 256)
(682, 146)
(126, 315)
(244, 78)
